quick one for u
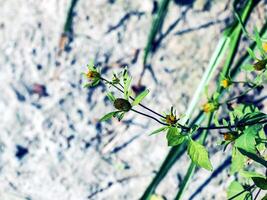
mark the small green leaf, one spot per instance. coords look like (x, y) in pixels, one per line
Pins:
(159, 130)
(234, 189)
(238, 161)
(111, 96)
(225, 123)
(140, 97)
(251, 53)
(199, 155)
(86, 85)
(108, 116)
(248, 68)
(174, 136)
(260, 182)
(120, 115)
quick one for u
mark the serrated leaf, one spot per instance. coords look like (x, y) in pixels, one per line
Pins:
(174, 136)
(238, 161)
(260, 182)
(159, 130)
(247, 139)
(108, 116)
(199, 155)
(234, 189)
(140, 97)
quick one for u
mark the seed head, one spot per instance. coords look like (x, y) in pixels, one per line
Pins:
(122, 104)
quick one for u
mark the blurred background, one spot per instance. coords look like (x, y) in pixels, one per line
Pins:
(51, 143)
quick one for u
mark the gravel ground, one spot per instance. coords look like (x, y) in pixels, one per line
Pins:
(52, 145)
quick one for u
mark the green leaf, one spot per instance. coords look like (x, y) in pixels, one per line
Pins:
(140, 97)
(260, 182)
(248, 67)
(108, 116)
(234, 189)
(174, 136)
(159, 130)
(111, 96)
(238, 161)
(258, 41)
(199, 155)
(225, 123)
(247, 139)
(251, 53)
(248, 174)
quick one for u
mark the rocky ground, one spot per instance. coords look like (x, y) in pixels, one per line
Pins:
(51, 143)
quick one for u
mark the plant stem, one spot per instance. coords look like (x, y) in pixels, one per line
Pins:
(149, 116)
(257, 194)
(115, 86)
(245, 190)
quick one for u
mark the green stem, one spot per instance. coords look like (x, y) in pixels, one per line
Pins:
(192, 167)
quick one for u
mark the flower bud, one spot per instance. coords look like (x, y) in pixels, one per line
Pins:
(209, 107)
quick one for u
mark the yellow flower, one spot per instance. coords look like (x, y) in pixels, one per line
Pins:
(171, 119)
(209, 107)
(225, 83)
(264, 46)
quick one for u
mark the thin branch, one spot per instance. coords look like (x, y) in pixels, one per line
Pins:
(144, 114)
(257, 194)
